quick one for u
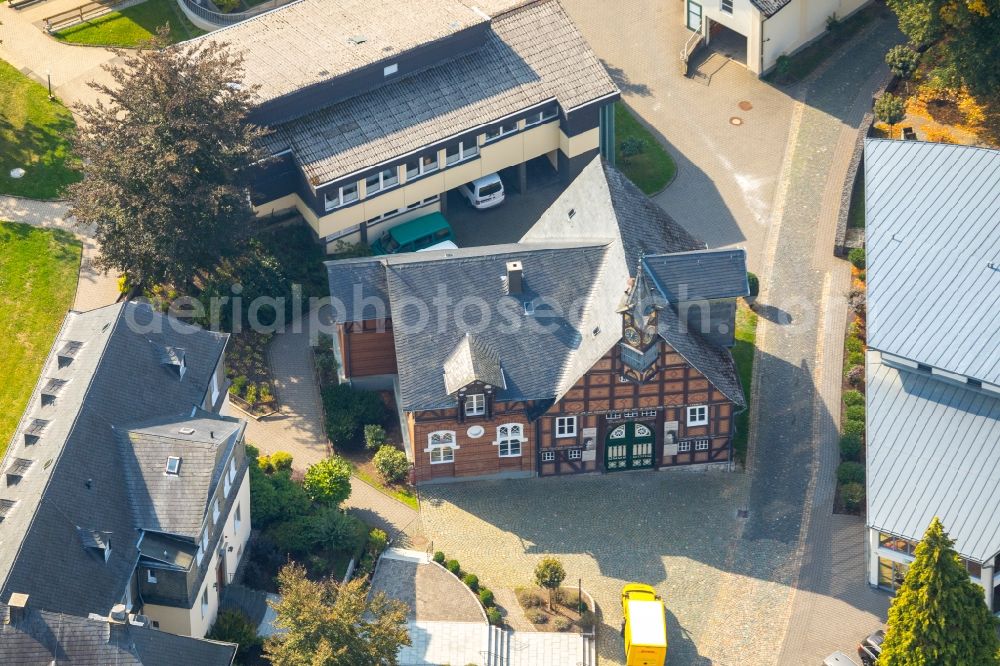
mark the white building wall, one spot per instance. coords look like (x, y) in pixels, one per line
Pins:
(798, 23)
(740, 20)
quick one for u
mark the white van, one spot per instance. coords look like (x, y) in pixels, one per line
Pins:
(485, 192)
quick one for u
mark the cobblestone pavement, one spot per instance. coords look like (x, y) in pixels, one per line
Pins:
(431, 592)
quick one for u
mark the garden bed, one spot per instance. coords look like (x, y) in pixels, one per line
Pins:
(743, 353)
(639, 155)
(570, 611)
(850, 493)
(252, 386)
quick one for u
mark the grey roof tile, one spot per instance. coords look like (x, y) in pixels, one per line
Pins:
(472, 360)
(770, 7)
(932, 451)
(532, 55)
(700, 275)
(933, 253)
(77, 481)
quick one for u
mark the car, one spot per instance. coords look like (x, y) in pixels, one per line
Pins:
(838, 659)
(645, 626)
(415, 235)
(871, 647)
(485, 192)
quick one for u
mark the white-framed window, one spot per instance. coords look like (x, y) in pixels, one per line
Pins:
(697, 415)
(501, 130)
(565, 426)
(204, 602)
(151, 576)
(683, 447)
(727, 6)
(475, 404)
(173, 465)
(215, 387)
(441, 446)
(227, 485)
(613, 416)
(541, 116)
(631, 413)
(701, 445)
(200, 555)
(341, 196)
(461, 151)
(421, 165)
(237, 518)
(382, 180)
(509, 438)
(389, 70)
(548, 456)
(216, 510)
(647, 413)
(575, 454)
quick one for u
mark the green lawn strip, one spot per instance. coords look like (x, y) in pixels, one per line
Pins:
(407, 497)
(132, 26)
(35, 136)
(653, 168)
(743, 350)
(856, 213)
(803, 62)
(38, 273)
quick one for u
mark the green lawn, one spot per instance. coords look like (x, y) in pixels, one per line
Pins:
(38, 271)
(404, 495)
(856, 213)
(34, 136)
(651, 169)
(746, 335)
(132, 26)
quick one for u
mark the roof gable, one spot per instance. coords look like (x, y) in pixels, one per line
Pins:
(473, 360)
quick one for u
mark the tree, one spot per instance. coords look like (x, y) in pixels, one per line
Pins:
(391, 464)
(939, 616)
(166, 161)
(890, 110)
(902, 60)
(327, 623)
(550, 574)
(233, 626)
(329, 481)
(966, 28)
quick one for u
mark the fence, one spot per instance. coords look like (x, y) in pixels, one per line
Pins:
(201, 9)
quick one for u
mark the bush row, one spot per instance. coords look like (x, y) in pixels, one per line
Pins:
(484, 595)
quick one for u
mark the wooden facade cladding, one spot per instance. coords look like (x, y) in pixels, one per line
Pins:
(368, 348)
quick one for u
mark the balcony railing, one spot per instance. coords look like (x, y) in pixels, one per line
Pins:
(201, 9)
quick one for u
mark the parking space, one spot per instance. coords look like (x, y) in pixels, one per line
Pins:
(510, 220)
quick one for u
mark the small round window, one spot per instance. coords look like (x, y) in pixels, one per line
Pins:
(476, 431)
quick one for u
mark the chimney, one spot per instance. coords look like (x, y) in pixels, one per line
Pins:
(117, 622)
(17, 604)
(515, 276)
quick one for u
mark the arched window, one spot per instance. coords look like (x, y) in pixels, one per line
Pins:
(509, 439)
(441, 446)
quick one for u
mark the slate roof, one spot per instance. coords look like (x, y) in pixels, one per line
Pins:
(44, 638)
(77, 481)
(933, 253)
(176, 503)
(702, 275)
(532, 55)
(472, 360)
(769, 7)
(576, 270)
(713, 361)
(932, 451)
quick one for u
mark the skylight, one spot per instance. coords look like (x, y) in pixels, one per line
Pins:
(173, 465)
(5, 507)
(34, 430)
(51, 389)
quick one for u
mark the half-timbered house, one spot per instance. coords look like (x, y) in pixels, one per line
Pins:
(597, 343)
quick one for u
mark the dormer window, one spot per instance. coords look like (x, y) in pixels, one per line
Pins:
(68, 352)
(173, 465)
(99, 542)
(174, 358)
(51, 390)
(475, 404)
(33, 432)
(17, 469)
(6, 506)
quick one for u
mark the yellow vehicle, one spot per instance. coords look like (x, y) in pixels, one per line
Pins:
(645, 628)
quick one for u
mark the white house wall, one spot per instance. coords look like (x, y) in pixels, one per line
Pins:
(740, 20)
(798, 23)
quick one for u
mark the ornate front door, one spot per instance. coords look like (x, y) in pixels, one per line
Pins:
(629, 446)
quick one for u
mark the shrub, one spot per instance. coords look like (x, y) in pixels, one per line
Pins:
(276, 498)
(632, 146)
(853, 496)
(859, 303)
(856, 376)
(332, 529)
(832, 22)
(853, 398)
(265, 392)
(902, 60)
(293, 537)
(853, 427)
(329, 481)
(850, 472)
(850, 447)
(374, 436)
(783, 66)
(472, 581)
(562, 623)
(856, 413)
(754, 283)
(439, 557)
(494, 617)
(862, 276)
(891, 111)
(856, 359)
(391, 464)
(453, 566)
(251, 394)
(377, 541)
(527, 598)
(239, 385)
(587, 621)
(536, 616)
(281, 460)
(485, 597)
(857, 257)
(232, 626)
(853, 344)
(265, 464)
(347, 411)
